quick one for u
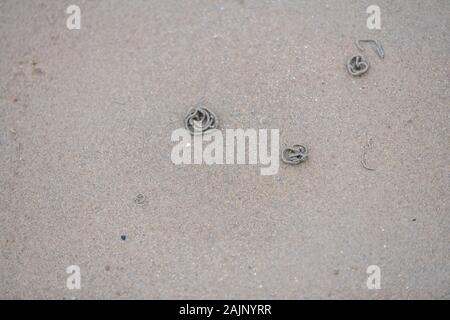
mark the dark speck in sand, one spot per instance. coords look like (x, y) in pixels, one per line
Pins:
(123, 237)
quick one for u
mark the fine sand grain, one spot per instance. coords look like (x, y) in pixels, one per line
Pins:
(86, 176)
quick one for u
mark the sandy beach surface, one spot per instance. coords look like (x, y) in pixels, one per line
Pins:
(86, 118)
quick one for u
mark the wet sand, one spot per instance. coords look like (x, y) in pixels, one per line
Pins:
(86, 118)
